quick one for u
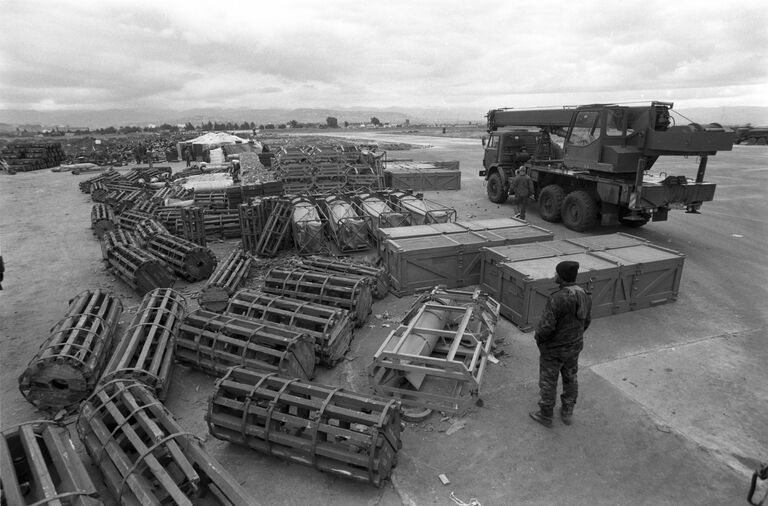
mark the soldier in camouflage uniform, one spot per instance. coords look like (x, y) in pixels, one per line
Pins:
(560, 338)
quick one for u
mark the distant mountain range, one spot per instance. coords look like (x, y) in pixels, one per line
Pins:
(10, 119)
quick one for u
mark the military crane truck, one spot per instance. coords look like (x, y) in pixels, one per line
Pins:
(602, 172)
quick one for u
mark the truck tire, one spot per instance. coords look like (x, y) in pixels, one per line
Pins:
(497, 191)
(579, 211)
(551, 202)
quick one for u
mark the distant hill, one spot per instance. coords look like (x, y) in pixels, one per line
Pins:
(12, 118)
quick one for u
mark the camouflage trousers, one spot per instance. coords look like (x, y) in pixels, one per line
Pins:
(521, 204)
(550, 369)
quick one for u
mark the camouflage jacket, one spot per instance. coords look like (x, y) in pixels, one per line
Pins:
(521, 186)
(566, 316)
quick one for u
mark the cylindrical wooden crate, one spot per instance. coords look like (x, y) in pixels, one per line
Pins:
(378, 275)
(114, 237)
(169, 217)
(138, 268)
(227, 277)
(102, 219)
(145, 457)
(99, 192)
(330, 289)
(189, 260)
(39, 465)
(222, 223)
(213, 342)
(343, 433)
(147, 229)
(69, 363)
(145, 350)
(129, 220)
(330, 326)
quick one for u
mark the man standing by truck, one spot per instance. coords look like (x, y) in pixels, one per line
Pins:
(560, 338)
(522, 187)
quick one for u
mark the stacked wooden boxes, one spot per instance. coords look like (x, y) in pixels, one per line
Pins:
(449, 254)
(622, 273)
(423, 175)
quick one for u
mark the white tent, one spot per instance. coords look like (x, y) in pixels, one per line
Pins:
(216, 139)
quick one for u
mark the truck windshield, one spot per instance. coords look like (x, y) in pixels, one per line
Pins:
(586, 128)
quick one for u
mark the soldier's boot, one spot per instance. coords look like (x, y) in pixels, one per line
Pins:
(542, 416)
(566, 414)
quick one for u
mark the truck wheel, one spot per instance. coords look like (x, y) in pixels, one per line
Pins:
(579, 211)
(497, 191)
(551, 202)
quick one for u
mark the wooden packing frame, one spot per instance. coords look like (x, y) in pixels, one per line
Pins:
(213, 343)
(39, 465)
(187, 259)
(351, 232)
(146, 206)
(193, 225)
(145, 457)
(118, 236)
(70, 361)
(99, 192)
(421, 210)
(144, 352)
(276, 229)
(169, 217)
(147, 229)
(453, 373)
(123, 200)
(138, 268)
(334, 289)
(102, 219)
(331, 327)
(222, 223)
(378, 276)
(225, 280)
(308, 232)
(211, 199)
(129, 220)
(338, 432)
(87, 185)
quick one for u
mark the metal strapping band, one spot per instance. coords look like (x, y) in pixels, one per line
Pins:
(272, 404)
(249, 399)
(318, 418)
(120, 426)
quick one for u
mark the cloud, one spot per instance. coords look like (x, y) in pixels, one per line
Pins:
(141, 53)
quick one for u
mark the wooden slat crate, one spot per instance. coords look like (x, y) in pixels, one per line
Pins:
(99, 192)
(213, 342)
(436, 358)
(102, 219)
(350, 231)
(193, 225)
(352, 293)
(130, 219)
(146, 206)
(380, 212)
(70, 361)
(144, 351)
(114, 237)
(39, 465)
(138, 268)
(169, 217)
(421, 210)
(222, 223)
(276, 230)
(147, 229)
(336, 431)
(308, 228)
(211, 199)
(145, 457)
(331, 327)
(225, 280)
(187, 259)
(379, 279)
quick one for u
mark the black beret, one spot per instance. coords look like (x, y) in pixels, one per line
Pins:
(568, 270)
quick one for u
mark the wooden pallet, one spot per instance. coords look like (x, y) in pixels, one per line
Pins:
(144, 352)
(331, 327)
(70, 361)
(338, 432)
(145, 457)
(276, 230)
(213, 342)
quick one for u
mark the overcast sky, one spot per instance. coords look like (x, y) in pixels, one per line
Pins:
(85, 54)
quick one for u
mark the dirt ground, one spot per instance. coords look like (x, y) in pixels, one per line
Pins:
(675, 397)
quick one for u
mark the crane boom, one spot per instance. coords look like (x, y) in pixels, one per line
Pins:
(541, 118)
